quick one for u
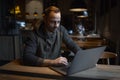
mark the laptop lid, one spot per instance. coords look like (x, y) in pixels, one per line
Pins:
(85, 59)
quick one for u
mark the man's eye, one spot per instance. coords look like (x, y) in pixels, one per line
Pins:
(55, 21)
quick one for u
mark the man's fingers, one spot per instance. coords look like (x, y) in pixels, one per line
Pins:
(64, 61)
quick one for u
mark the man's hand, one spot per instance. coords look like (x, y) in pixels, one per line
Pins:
(56, 62)
(60, 61)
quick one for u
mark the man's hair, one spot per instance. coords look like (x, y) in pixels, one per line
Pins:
(49, 9)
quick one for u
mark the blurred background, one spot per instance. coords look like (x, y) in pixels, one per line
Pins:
(96, 19)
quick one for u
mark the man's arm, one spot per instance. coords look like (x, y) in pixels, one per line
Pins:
(30, 49)
(70, 44)
(55, 62)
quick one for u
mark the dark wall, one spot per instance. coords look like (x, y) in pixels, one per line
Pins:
(9, 32)
(108, 19)
(108, 24)
(7, 19)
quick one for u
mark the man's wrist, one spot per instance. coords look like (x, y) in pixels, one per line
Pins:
(48, 62)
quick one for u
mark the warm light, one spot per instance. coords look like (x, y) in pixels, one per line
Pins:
(78, 9)
(78, 5)
(16, 10)
(35, 13)
(82, 16)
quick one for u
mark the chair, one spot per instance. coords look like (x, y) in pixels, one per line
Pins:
(108, 55)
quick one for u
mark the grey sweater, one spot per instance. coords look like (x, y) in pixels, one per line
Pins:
(41, 45)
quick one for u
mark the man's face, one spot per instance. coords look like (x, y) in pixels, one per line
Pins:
(53, 21)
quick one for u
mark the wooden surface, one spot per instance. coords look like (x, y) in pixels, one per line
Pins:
(109, 72)
(86, 44)
(14, 70)
(19, 77)
(89, 44)
(16, 66)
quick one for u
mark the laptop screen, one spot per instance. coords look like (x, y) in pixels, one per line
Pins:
(85, 59)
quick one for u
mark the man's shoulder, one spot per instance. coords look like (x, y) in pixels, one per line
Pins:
(62, 28)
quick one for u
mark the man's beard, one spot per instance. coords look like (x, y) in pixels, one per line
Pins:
(51, 29)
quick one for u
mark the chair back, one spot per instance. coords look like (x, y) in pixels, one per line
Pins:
(108, 56)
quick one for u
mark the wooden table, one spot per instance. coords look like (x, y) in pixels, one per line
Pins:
(89, 44)
(109, 72)
(14, 70)
(86, 44)
(19, 77)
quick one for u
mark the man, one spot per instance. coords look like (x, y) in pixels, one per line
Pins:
(43, 46)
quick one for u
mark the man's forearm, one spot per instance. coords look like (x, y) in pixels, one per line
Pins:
(48, 62)
(56, 62)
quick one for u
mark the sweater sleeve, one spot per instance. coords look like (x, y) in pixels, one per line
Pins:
(29, 57)
(70, 44)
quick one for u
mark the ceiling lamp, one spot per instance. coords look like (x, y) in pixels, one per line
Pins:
(78, 5)
(82, 14)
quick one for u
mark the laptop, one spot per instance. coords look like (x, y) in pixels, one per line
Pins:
(83, 60)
